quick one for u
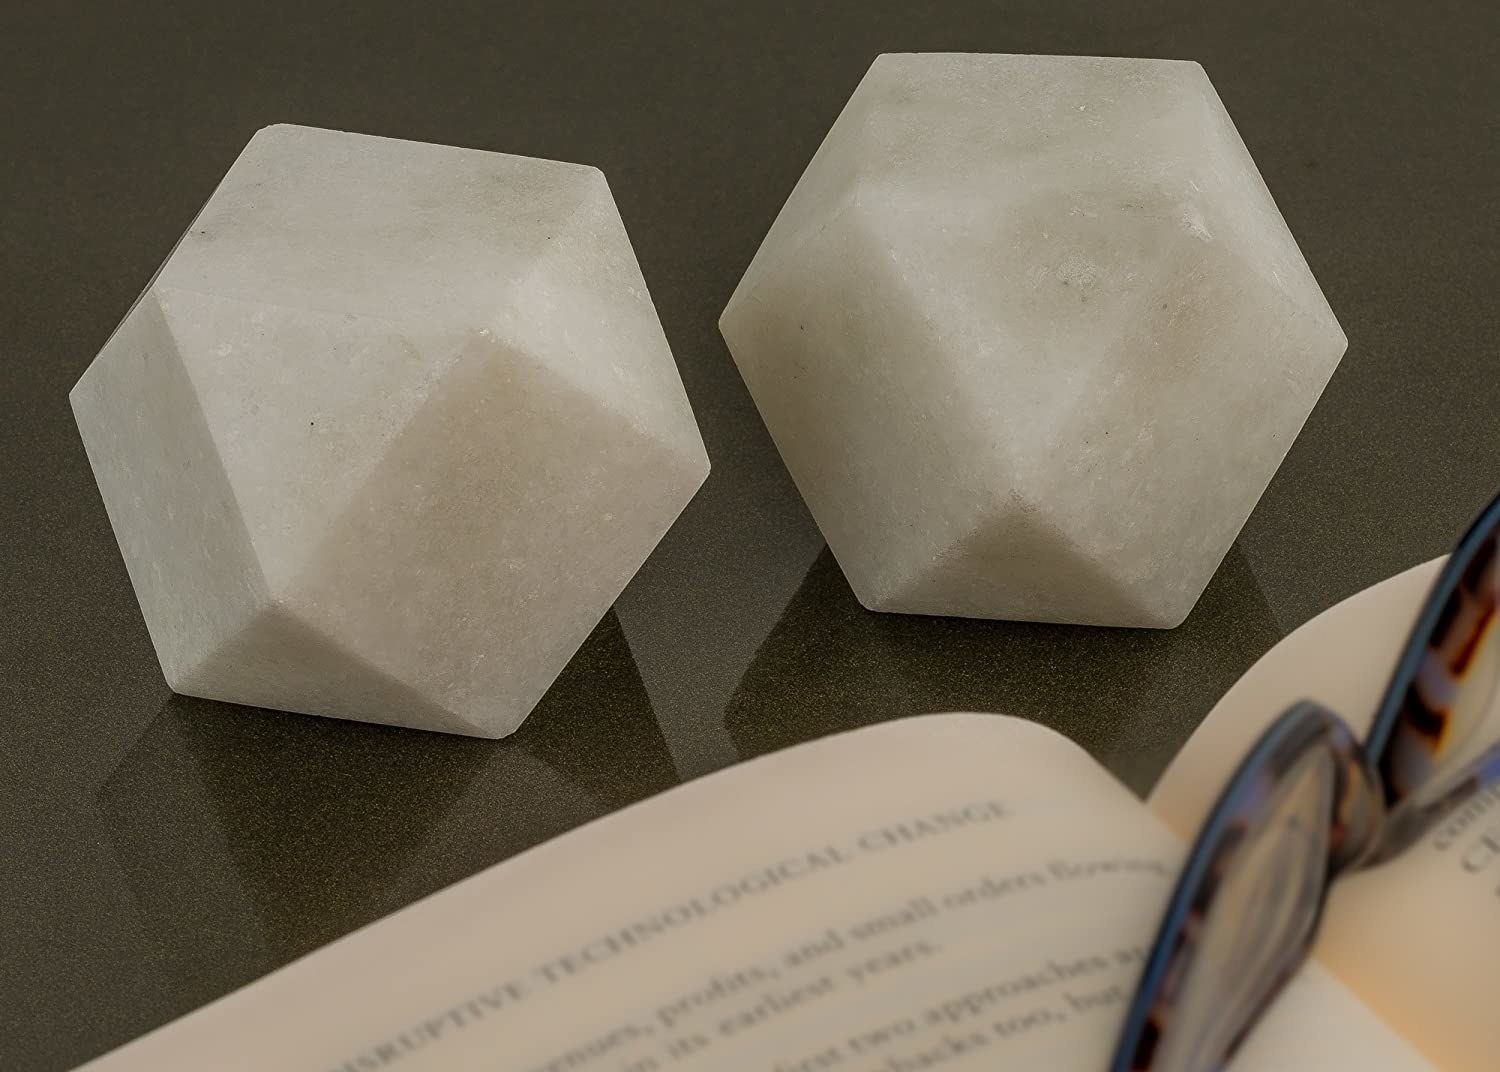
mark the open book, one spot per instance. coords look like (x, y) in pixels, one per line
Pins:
(942, 892)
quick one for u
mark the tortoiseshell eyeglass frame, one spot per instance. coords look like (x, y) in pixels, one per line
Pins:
(1385, 795)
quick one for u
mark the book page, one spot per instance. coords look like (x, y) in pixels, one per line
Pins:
(948, 892)
(1418, 939)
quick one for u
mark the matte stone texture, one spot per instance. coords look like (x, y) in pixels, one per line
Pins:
(389, 432)
(1032, 337)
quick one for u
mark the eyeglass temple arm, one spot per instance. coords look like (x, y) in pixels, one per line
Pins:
(1406, 825)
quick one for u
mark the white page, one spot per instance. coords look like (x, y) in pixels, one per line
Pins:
(955, 892)
(1417, 939)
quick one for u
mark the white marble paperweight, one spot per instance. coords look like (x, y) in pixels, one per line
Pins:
(1032, 337)
(389, 432)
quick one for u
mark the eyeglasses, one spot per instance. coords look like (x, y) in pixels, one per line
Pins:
(1309, 804)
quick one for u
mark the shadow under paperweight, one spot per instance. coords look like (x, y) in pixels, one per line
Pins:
(389, 432)
(1032, 337)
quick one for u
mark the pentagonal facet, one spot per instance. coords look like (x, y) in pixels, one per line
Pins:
(1032, 337)
(389, 432)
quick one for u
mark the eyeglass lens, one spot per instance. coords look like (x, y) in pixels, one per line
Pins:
(1260, 918)
(1449, 712)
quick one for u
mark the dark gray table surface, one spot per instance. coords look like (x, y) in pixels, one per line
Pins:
(156, 852)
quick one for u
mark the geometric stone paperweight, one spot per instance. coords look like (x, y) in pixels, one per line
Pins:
(1032, 337)
(389, 432)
